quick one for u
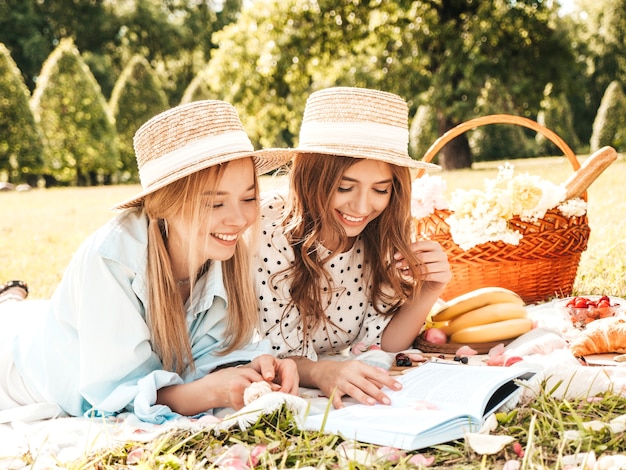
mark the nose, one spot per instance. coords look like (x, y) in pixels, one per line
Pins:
(361, 203)
(236, 217)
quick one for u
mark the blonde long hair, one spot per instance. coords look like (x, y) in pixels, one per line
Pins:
(314, 180)
(165, 310)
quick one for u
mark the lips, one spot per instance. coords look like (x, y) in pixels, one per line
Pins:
(351, 220)
(225, 238)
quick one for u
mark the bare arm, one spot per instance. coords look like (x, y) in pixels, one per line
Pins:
(225, 387)
(408, 321)
(339, 378)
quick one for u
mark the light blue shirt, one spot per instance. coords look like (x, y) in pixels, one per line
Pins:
(90, 351)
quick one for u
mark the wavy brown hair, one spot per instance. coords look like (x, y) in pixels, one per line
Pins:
(314, 179)
(165, 311)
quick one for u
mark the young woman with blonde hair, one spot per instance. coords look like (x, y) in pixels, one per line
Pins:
(339, 266)
(156, 312)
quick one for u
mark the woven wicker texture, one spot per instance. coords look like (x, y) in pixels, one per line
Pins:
(541, 267)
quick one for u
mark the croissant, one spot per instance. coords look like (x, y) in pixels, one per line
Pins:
(604, 337)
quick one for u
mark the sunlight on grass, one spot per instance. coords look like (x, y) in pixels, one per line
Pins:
(41, 229)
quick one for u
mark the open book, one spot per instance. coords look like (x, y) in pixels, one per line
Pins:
(439, 402)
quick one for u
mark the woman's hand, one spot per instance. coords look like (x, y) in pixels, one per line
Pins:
(281, 374)
(353, 378)
(224, 388)
(434, 262)
(406, 323)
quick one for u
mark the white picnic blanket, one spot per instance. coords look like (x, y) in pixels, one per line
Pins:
(49, 443)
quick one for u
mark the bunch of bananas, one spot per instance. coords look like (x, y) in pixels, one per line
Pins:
(483, 315)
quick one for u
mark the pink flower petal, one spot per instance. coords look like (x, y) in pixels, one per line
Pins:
(466, 351)
(512, 360)
(497, 350)
(134, 456)
(420, 405)
(420, 460)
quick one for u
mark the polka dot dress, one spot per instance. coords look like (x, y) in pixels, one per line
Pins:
(352, 318)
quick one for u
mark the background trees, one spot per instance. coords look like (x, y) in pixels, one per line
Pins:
(458, 58)
(21, 147)
(79, 134)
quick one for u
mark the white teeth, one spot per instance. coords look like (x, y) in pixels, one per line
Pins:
(227, 238)
(352, 219)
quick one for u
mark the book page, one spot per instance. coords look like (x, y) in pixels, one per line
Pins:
(438, 403)
(452, 385)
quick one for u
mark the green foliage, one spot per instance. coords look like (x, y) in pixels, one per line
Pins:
(78, 130)
(21, 147)
(610, 119)
(280, 51)
(423, 131)
(497, 141)
(556, 115)
(24, 33)
(136, 97)
(198, 89)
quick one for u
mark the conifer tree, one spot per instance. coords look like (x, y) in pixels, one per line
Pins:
(423, 131)
(198, 89)
(78, 130)
(136, 97)
(556, 114)
(497, 141)
(610, 119)
(21, 146)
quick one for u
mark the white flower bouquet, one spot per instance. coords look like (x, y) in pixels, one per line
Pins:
(482, 216)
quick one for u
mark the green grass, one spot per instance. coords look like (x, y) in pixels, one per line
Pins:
(40, 230)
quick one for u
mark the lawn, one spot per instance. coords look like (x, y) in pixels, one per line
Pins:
(40, 230)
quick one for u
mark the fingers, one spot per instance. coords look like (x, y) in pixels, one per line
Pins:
(366, 388)
(288, 376)
(355, 379)
(265, 364)
(434, 265)
(281, 374)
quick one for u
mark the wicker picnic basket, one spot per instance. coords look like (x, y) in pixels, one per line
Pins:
(542, 266)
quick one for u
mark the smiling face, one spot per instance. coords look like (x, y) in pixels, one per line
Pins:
(233, 208)
(211, 229)
(363, 194)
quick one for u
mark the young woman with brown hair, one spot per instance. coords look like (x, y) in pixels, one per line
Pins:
(339, 265)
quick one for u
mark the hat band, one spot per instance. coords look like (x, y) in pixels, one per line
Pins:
(362, 134)
(213, 145)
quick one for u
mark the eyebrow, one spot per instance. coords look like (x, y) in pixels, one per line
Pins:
(222, 193)
(353, 180)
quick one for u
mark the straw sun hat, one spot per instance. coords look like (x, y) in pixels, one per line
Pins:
(189, 138)
(359, 123)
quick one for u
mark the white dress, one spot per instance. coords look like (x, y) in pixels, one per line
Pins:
(352, 317)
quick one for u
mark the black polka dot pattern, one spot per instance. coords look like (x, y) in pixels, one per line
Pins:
(353, 317)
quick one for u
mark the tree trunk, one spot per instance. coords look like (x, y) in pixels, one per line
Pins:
(456, 154)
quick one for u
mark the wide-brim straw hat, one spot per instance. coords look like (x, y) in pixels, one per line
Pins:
(192, 137)
(356, 122)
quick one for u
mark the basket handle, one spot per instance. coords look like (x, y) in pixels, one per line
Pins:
(501, 119)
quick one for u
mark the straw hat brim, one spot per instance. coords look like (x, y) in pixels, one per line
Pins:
(263, 162)
(370, 153)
